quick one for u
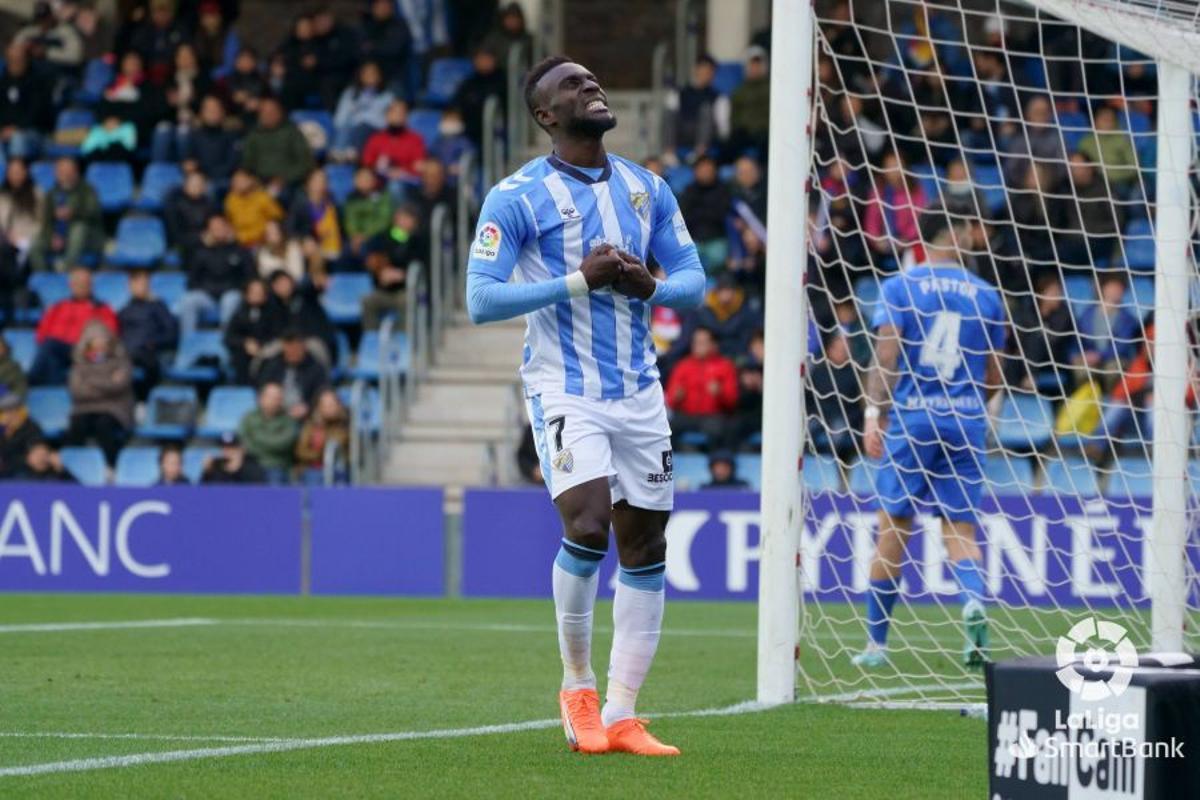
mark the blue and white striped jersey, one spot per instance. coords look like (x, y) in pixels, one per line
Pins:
(538, 224)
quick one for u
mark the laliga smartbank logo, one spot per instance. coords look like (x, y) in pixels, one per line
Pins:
(1115, 647)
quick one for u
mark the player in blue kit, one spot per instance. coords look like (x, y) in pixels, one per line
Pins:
(575, 228)
(939, 330)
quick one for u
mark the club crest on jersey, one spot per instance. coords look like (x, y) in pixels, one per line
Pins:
(487, 243)
(564, 460)
(641, 203)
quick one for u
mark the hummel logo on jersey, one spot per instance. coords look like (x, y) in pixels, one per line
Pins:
(568, 214)
(487, 243)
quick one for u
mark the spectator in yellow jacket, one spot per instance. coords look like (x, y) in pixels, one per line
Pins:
(250, 209)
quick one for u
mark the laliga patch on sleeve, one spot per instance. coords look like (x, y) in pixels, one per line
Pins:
(487, 243)
(681, 231)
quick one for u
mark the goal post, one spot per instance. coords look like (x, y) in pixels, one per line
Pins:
(1000, 113)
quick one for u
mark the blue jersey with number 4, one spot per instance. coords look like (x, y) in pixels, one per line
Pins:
(949, 322)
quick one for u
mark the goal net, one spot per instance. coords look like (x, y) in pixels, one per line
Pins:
(1044, 145)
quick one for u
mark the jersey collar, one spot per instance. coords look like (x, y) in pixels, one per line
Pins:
(578, 174)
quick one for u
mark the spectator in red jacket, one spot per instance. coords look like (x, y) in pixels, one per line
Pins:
(702, 392)
(396, 151)
(61, 327)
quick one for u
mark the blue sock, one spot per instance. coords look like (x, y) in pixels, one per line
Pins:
(880, 600)
(580, 561)
(970, 580)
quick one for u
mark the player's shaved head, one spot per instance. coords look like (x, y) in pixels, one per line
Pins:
(538, 71)
(565, 99)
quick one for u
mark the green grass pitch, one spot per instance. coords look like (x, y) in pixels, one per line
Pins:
(231, 691)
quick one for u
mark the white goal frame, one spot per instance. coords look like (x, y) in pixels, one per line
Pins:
(783, 506)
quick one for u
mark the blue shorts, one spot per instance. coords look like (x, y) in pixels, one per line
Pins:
(939, 470)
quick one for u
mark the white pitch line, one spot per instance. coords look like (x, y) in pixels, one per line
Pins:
(496, 627)
(53, 627)
(287, 745)
(890, 691)
(149, 737)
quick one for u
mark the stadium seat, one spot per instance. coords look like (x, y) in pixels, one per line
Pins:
(989, 181)
(728, 77)
(86, 464)
(370, 415)
(445, 74)
(1008, 476)
(167, 410)
(113, 182)
(862, 479)
(691, 470)
(158, 181)
(169, 287)
(1074, 126)
(317, 127)
(343, 296)
(425, 121)
(1026, 422)
(97, 75)
(137, 466)
(341, 181)
(23, 344)
(1072, 476)
(141, 241)
(343, 367)
(928, 176)
(1141, 294)
(50, 287)
(866, 292)
(50, 407)
(749, 469)
(821, 473)
(1130, 477)
(193, 461)
(201, 358)
(111, 288)
(70, 121)
(42, 173)
(679, 177)
(1138, 242)
(367, 361)
(226, 407)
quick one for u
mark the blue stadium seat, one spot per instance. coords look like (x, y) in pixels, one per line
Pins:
(1138, 242)
(343, 367)
(1141, 294)
(50, 287)
(158, 181)
(69, 120)
(42, 173)
(23, 344)
(1074, 126)
(113, 182)
(988, 180)
(50, 407)
(691, 470)
(169, 287)
(928, 176)
(341, 181)
(821, 473)
(1072, 476)
(1135, 121)
(157, 405)
(749, 468)
(343, 296)
(445, 74)
(370, 415)
(679, 177)
(425, 121)
(862, 479)
(1008, 476)
(201, 358)
(141, 241)
(226, 407)
(137, 466)
(85, 463)
(1131, 477)
(97, 75)
(728, 77)
(1026, 422)
(317, 127)
(194, 458)
(866, 292)
(367, 362)
(111, 288)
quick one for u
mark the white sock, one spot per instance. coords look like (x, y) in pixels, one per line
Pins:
(574, 599)
(637, 625)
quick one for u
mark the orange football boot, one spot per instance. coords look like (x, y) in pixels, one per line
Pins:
(630, 736)
(581, 720)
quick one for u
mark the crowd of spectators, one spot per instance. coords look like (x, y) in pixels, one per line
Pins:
(253, 219)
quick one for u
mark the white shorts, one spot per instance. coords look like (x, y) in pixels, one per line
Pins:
(627, 441)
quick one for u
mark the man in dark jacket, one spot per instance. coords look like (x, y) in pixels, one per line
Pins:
(212, 148)
(218, 270)
(705, 204)
(186, 211)
(298, 307)
(338, 50)
(722, 471)
(276, 151)
(148, 329)
(472, 93)
(294, 368)
(24, 104)
(18, 432)
(250, 329)
(387, 42)
(42, 463)
(234, 465)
